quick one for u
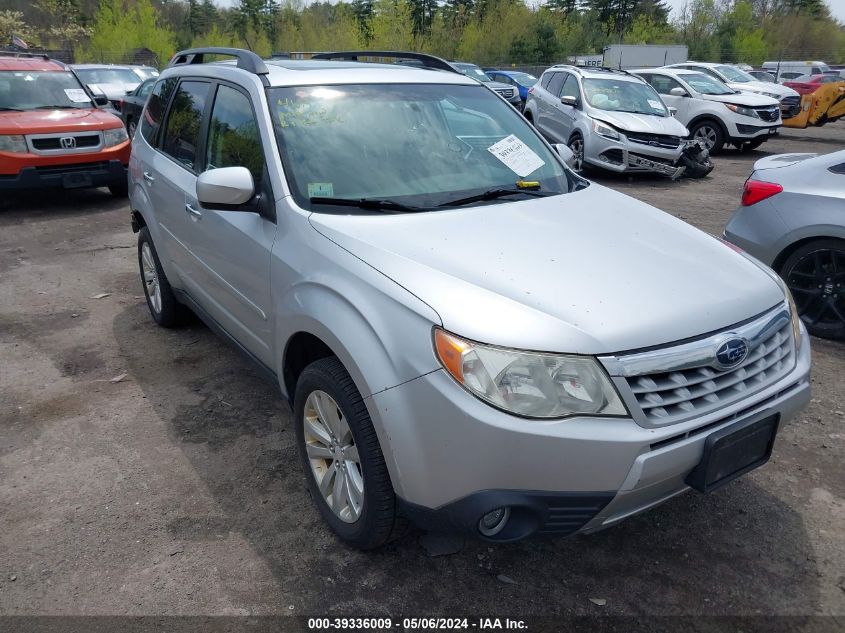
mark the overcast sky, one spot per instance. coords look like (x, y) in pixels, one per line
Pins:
(837, 7)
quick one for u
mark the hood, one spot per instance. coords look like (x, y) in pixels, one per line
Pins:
(744, 98)
(641, 122)
(44, 121)
(498, 85)
(588, 272)
(781, 160)
(764, 87)
(113, 91)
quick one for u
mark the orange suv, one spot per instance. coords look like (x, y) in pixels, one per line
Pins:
(52, 134)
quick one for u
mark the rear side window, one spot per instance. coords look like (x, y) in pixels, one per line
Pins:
(182, 130)
(154, 113)
(545, 79)
(556, 83)
(233, 138)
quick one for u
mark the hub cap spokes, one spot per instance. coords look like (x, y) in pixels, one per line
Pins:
(817, 283)
(150, 275)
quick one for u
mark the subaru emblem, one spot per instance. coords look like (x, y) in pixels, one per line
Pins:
(731, 353)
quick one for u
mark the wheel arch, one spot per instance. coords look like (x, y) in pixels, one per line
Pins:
(787, 251)
(708, 116)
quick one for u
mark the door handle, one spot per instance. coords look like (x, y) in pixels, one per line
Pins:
(149, 177)
(193, 212)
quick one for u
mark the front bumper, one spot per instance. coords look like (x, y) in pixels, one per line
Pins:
(453, 458)
(624, 155)
(70, 176)
(750, 132)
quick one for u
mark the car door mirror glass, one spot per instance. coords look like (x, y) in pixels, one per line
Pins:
(565, 153)
(226, 186)
(678, 92)
(569, 100)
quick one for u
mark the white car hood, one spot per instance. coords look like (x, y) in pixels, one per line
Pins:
(113, 91)
(641, 122)
(744, 98)
(763, 86)
(588, 272)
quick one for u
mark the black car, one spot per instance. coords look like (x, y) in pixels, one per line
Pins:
(133, 104)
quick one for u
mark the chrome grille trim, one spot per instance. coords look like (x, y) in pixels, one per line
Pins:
(676, 383)
(82, 140)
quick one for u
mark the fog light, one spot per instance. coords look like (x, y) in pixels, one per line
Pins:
(494, 521)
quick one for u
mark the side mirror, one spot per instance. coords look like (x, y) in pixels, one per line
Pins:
(678, 92)
(565, 153)
(101, 100)
(226, 186)
(569, 101)
(129, 92)
(673, 111)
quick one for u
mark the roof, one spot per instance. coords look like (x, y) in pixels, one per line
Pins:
(119, 66)
(30, 63)
(665, 69)
(592, 72)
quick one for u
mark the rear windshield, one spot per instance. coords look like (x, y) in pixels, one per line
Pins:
(36, 90)
(107, 76)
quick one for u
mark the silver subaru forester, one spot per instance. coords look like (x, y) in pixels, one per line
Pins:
(471, 335)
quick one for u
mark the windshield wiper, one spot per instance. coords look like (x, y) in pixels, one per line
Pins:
(55, 107)
(368, 203)
(492, 194)
(11, 110)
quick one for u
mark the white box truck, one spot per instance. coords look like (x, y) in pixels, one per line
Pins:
(626, 56)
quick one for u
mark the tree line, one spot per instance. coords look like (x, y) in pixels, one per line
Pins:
(482, 31)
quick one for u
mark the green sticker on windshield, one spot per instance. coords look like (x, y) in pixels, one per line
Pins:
(320, 190)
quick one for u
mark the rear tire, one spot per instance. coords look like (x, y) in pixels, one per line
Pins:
(815, 274)
(163, 305)
(365, 517)
(709, 134)
(576, 144)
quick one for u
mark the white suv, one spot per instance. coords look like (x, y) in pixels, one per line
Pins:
(714, 113)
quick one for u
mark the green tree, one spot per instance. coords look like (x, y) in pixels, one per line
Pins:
(392, 25)
(119, 28)
(12, 23)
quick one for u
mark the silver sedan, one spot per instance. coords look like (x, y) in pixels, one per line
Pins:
(792, 217)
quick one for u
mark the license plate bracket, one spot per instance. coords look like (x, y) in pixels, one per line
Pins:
(734, 451)
(76, 181)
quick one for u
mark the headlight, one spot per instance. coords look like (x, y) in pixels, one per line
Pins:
(771, 95)
(12, 143)
(605, 130)
(114, 136)
(742, 110)
(529, 384)
(793, 313)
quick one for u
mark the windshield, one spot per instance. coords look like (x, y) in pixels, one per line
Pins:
(420, 145)
(735, 74)
(107, 76)
(146, 72)
(523, 79)
(624, 96)
(31, 90)
(473, 71)
(707, 85)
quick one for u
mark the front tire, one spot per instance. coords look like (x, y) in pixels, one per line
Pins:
(576, 144)
(709, 134)
(815, 274)
(341, 456)
(164, 308)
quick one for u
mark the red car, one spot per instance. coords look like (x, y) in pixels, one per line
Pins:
(52, 134)
(805, 84)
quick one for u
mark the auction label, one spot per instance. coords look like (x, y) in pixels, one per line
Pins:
(520, 158)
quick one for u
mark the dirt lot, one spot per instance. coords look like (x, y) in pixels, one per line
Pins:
(177, 490)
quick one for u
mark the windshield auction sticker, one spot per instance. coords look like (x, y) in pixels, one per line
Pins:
(519, 158)
(76, 95)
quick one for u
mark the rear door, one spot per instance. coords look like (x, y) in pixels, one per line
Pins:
(548, 105)
(231, 248)
(664, 84)
(564, 123)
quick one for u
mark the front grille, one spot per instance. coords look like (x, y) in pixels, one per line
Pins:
(568, 515)
(506, 93)
(53, 143)
(769, 114)
(654, 159)
(655, 140)
(669, 397)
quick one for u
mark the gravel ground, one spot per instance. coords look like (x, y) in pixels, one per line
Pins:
(177, 489)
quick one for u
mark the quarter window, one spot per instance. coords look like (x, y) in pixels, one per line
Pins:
(556, 83)
(154, 112)
(233, 138)
(182, 131)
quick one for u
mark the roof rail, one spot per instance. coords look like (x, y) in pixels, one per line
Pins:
(428, 61)
(17, 53)
(247, 60)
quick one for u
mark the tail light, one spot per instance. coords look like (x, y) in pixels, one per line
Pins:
(757, 190)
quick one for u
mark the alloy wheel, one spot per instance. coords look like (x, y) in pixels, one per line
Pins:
(151, 282)
(817, 283)
(707, 136)
(577, 147)
(333, 456)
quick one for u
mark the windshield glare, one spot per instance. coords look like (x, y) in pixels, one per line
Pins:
(421, 145)
(524, 79)
(30, 90)
(624, 96)
(475, 72)
(107, 76)
(735, 74)
(707, 85)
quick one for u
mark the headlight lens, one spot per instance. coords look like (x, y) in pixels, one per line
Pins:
(793, 314)
(12, 143)
(742, 110)
(114, 136)
(605, 130)
(529, 384)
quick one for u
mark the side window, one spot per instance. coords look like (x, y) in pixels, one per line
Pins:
(556, 83)
(233, 138)
(145, 89)
(182, 130)
(837, 169)
(545, 79)
(570, 87)
(663, 84)
(154, 112)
